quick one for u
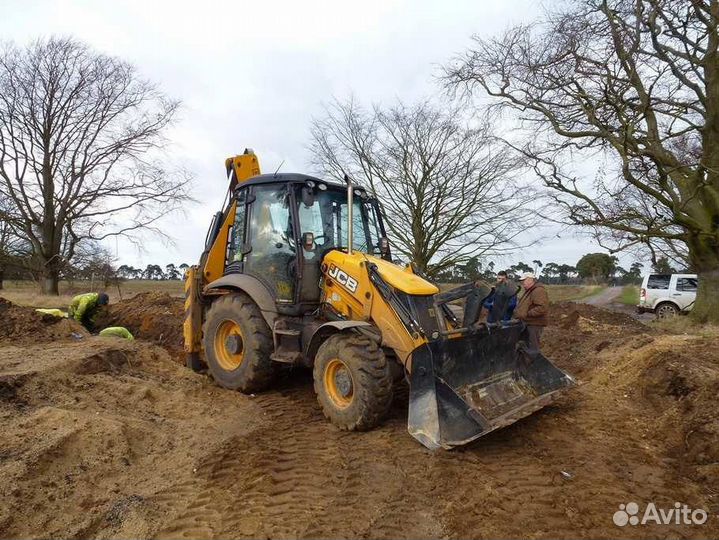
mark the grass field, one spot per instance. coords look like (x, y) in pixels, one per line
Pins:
(629, 295)
(25, 293)
(563, 293)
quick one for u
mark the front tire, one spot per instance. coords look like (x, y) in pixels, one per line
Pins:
(238, 344)
(353, 382)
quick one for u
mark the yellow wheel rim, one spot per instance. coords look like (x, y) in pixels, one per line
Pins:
(229, 345)
(339, 384)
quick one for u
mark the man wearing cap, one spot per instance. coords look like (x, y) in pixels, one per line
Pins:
(84, 307)
(532, 308)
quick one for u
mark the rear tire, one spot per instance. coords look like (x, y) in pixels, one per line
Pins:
(666, 310)
(353, 382)
(238, 344)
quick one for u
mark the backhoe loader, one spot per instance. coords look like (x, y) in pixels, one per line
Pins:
(298, 270)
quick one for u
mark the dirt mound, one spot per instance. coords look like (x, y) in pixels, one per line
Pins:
(21, 324)
(153, 316)
(682, 385)
(107, 438)
(578, 332)
(92, 429)
(569, 314)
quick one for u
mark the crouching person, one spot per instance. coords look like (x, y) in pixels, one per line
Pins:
(84, 307)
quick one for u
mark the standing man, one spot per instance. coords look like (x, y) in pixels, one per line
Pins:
(84, 307)
(533, 309)
(501, 303)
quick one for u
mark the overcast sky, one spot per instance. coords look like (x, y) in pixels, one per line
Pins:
(252, 74)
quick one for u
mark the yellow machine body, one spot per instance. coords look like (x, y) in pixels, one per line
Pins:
(347, 288)
(239, 168)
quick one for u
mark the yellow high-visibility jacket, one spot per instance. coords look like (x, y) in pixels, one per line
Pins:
(117, 331)
(81, 305)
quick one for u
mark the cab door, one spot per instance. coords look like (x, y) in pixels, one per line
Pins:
(270, 250)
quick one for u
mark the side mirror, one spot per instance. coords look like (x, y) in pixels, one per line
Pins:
(308, 196)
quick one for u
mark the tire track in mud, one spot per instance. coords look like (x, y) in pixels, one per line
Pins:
(299, 476)
(274, 482)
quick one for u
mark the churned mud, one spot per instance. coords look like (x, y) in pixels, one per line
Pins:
(104, 438)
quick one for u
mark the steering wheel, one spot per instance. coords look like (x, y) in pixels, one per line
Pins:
(323, 236)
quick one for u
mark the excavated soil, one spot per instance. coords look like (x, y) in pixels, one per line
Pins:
(20, 325)
(152, 315)
(105, 438)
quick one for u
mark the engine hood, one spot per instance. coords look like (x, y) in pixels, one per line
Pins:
(402, 279)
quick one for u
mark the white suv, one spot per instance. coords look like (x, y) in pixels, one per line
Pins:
(667, 294)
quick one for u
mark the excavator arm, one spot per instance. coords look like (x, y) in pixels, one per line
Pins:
(212, 262)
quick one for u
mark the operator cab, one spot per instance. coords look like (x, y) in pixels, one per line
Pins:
(286, 223)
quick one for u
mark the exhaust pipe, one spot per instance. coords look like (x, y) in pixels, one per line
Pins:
(350, 204)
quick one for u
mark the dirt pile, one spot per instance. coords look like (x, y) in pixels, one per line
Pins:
(94, 429)
(152, 316)
(22, 324)
(682, 385)
(578, 332)
(106, 438)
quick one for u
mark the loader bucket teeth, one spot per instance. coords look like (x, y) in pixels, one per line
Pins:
(466, 387)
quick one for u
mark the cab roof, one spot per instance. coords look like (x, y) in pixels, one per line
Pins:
(280, 178)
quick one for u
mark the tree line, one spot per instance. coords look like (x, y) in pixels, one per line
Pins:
(594, 268)
(153, 272)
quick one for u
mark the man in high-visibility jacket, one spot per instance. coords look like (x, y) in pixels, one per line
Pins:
(84, 307)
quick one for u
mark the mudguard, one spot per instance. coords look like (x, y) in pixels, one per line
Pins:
(464, 387)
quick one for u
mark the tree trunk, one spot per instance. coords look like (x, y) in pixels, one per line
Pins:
(706, 308)
(50, 282)
(705, 259)
(2, 277)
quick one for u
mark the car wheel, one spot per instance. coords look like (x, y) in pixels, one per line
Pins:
(666, 310)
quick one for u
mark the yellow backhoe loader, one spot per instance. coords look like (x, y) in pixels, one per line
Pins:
(297, 270)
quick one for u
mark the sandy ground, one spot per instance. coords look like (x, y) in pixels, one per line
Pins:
(104, 438)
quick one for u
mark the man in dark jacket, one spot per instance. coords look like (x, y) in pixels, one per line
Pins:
(506, 292)
(533, 309)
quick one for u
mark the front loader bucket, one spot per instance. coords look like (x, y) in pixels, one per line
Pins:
(465, 387)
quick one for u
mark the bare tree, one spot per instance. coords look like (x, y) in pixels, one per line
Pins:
(635, 82)
(78, 132)
(447, 189)
(13, 249)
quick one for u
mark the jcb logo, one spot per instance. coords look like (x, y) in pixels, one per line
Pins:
(347, 281)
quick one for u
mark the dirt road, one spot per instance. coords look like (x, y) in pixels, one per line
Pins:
(106, 438)
(608, 299)
(607, 296)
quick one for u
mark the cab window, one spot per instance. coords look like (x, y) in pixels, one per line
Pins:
(272, 240)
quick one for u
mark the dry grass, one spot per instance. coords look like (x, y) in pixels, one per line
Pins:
(25, 293)
(564, 293)
(684, 324)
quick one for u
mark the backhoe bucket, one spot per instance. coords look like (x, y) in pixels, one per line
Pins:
(465, 387)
